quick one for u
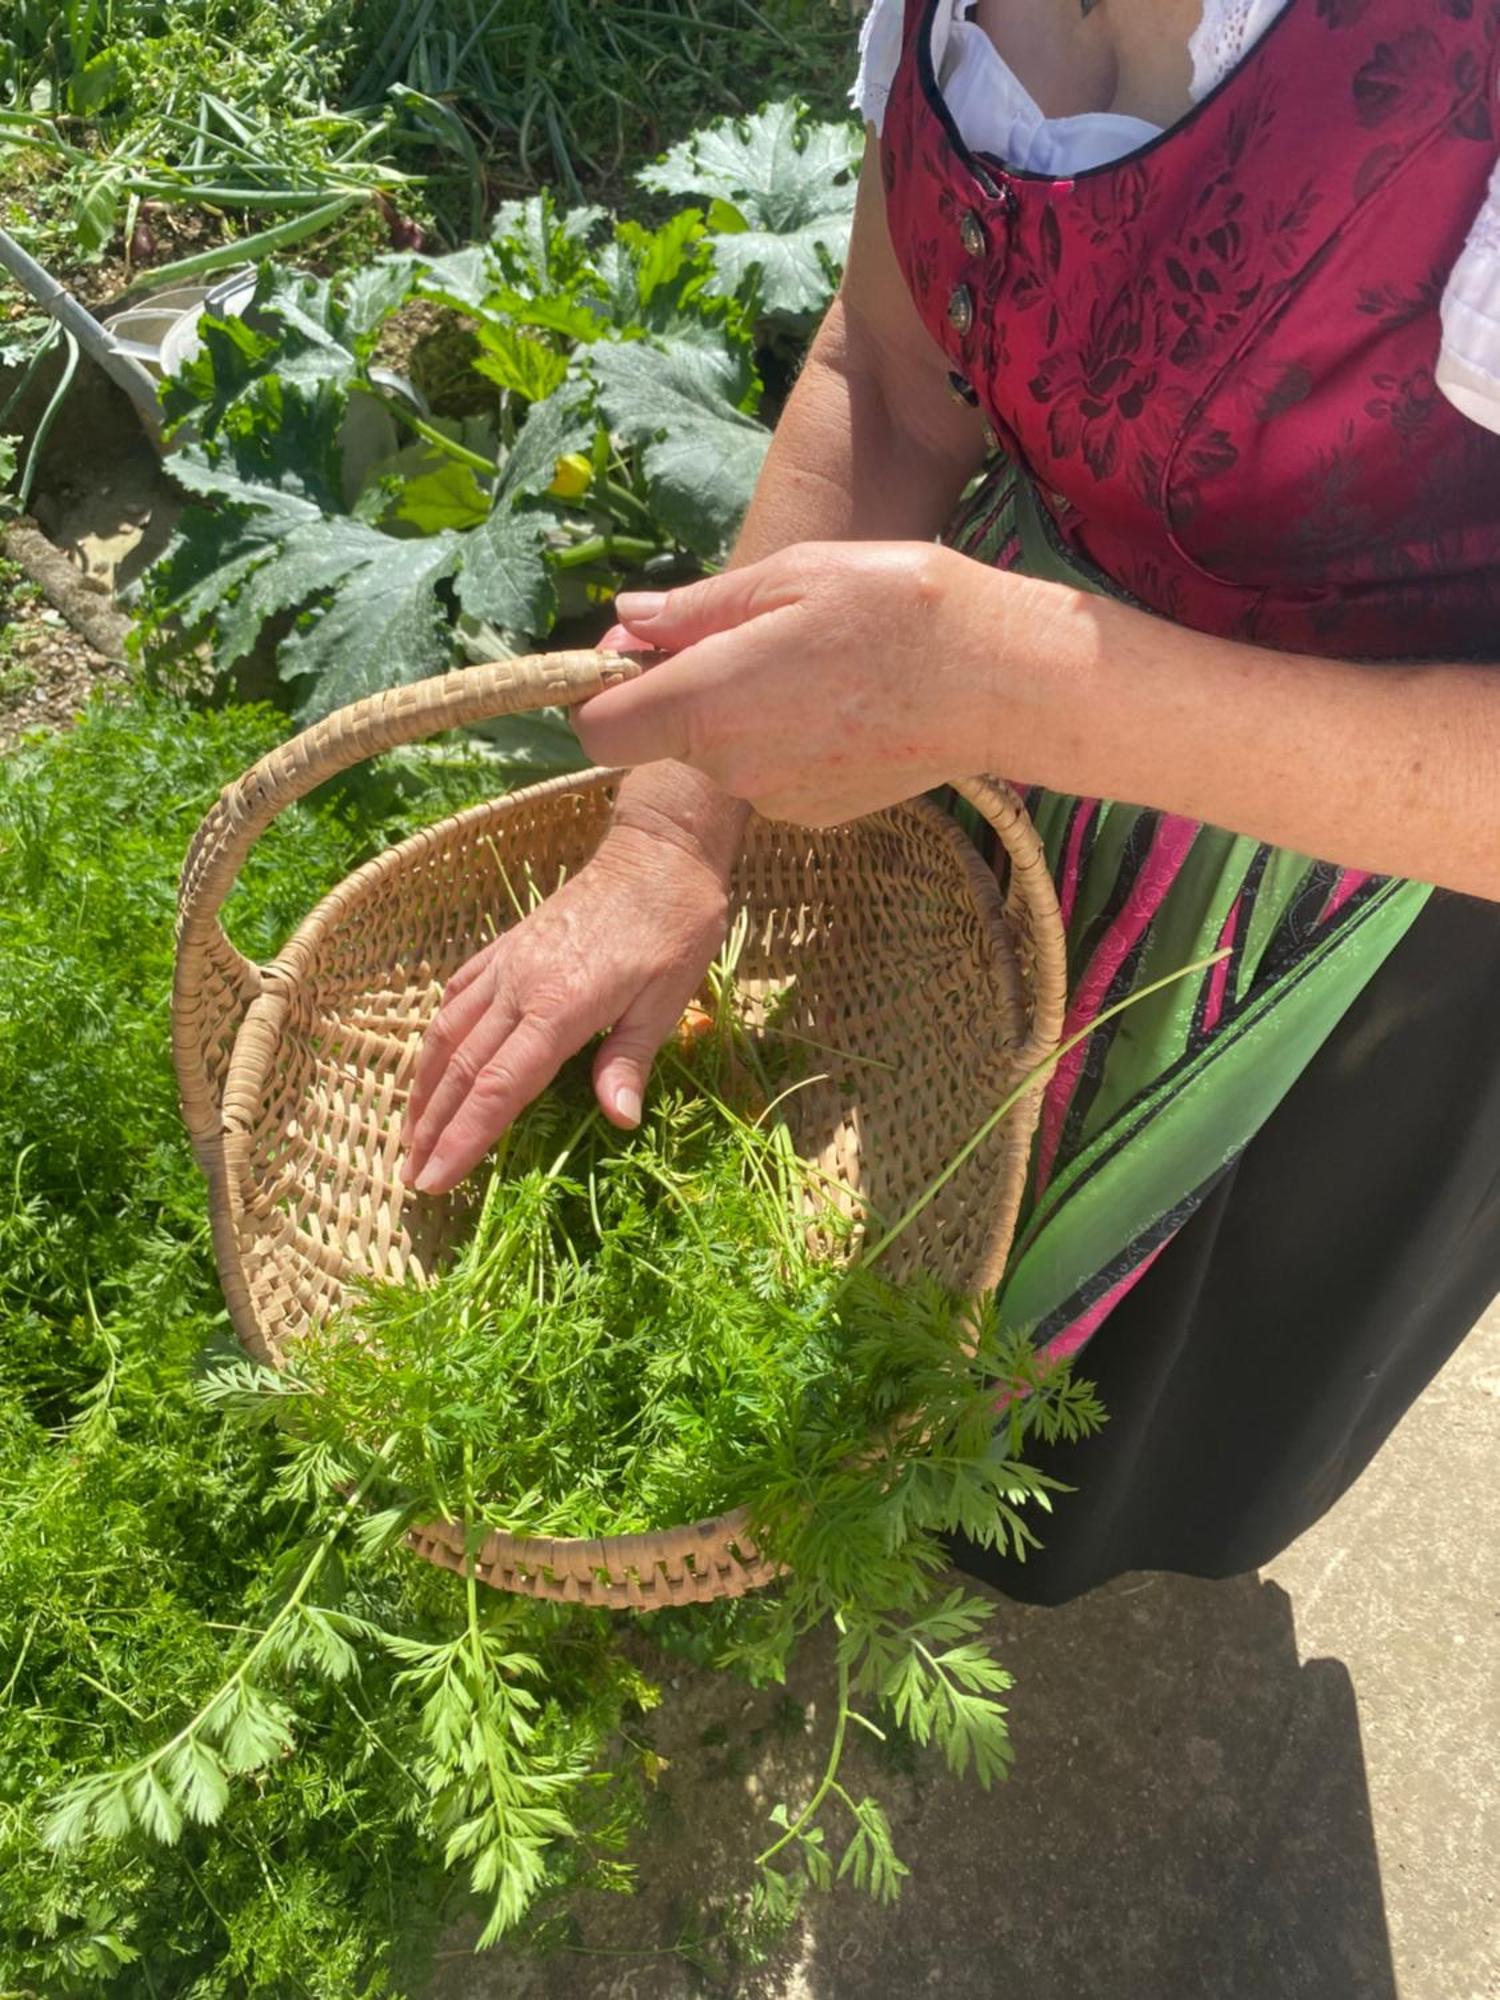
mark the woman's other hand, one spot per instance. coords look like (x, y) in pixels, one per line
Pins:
(826, 681)
(623, 946)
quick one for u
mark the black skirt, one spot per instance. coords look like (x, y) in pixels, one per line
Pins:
(1264, 1358)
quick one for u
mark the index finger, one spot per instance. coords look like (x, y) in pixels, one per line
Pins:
(519, 1070)
(448, 1030)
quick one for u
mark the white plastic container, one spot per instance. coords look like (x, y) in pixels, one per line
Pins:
(161, 332)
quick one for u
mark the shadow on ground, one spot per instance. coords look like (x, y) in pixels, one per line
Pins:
(1188, 1817)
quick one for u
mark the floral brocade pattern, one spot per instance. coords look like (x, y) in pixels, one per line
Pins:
(1216, 356)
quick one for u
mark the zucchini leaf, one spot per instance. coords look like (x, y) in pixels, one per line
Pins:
(782, 186)
(374, 607)
(701, 454)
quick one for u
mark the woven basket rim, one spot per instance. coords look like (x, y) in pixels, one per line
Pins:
(249, 1061)
(979, 879)
(612, 1560)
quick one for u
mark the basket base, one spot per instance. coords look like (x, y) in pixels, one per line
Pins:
(695, 1565)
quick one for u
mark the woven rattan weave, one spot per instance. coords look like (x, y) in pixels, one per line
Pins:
(887, 939)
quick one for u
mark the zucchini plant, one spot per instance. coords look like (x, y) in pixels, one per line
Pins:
(591, 409)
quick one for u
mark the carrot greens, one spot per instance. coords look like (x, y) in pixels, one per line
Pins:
(248, 1742)
(639, 1333)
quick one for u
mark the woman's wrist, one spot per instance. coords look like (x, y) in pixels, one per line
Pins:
(676, 805)
(1021, 654)
(1325, 757)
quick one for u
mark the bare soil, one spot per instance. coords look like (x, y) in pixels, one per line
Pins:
(104, 504)
(47, 672)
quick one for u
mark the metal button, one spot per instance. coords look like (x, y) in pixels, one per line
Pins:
(973, 234)
(960, 309)
(962, 390)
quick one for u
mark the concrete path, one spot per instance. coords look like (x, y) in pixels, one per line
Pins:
(1277, 1788)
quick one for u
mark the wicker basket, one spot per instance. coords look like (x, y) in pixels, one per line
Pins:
(887, 939)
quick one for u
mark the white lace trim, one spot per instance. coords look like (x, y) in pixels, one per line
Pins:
(1225, 36)
(879, 54)
(1468, 371)
(995, 113)
(1227, 32)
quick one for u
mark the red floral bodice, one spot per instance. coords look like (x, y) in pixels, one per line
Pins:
(1215, 356)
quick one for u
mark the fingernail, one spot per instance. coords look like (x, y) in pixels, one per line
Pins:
(433, 1171)
(628, 1104)
(618, 640)
(635, 605)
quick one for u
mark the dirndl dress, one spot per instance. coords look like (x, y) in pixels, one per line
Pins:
(1264, 1203)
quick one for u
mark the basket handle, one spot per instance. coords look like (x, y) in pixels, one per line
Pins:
(1032, 910)
(215, 985)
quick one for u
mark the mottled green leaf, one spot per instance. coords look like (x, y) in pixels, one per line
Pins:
(790, 182)
(382, 625)
(505, 578)
(464, 279)
(373, 294)
(700, 454)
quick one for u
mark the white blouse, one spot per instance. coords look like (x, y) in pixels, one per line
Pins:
(995, 113)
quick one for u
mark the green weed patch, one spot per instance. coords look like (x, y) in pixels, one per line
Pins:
(247, 1741)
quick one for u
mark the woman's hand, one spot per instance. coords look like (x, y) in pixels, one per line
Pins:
(624, 945)
(821, 683)
(826, 681)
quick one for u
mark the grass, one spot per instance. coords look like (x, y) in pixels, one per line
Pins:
(574, 95)
(120, 118)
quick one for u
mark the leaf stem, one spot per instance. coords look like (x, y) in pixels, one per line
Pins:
(430, 434)
(830, 1773)
(1028, 1083)
(500, 1794)
(628, 504)
(629, 547)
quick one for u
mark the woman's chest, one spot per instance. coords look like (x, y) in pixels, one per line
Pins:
(1219, 350)
(1075, 57)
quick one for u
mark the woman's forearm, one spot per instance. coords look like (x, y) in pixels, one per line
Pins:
(1391, 768)
(842, 466)
(856, 457)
